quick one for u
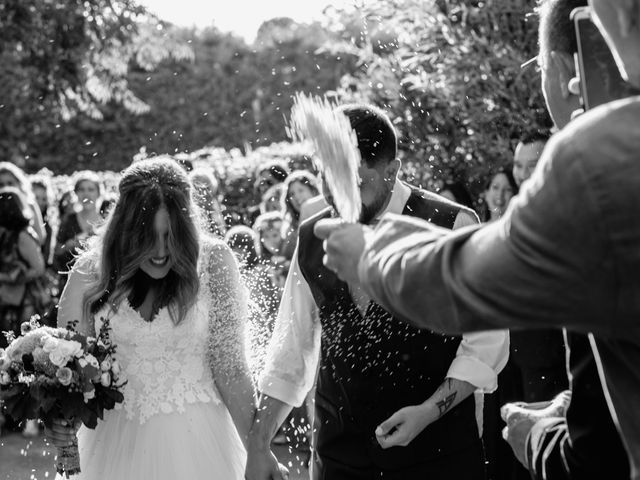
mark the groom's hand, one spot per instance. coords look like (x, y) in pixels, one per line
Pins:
(343, 245)
(263, 465)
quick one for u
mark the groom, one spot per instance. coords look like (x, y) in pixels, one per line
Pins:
(391, 401)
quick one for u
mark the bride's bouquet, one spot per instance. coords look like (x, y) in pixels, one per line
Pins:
(56, 373)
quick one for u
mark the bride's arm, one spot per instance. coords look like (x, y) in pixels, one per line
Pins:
(228, 317)
(70, 307)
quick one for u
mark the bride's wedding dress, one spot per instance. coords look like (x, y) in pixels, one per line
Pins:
(173, 424)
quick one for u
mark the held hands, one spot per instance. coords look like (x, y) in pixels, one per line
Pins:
(405, 425)
(343, 246)
(62, 433)
(263, 465)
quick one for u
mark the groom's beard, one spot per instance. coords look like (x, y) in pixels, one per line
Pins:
(369, 212)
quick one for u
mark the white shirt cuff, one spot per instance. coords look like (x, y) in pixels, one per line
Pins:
(282, 390)
(471, 370)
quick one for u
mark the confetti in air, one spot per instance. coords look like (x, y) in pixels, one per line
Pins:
(315, 119)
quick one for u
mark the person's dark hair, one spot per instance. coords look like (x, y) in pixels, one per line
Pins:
(246, 240)
(377, 140)
(534, 137)
(277, 169)
(66, 198)
(556, 28)
(459, 192)
(507, 172)
(14, 213)
(306, 179)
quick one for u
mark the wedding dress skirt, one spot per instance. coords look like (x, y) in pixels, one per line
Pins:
(199, 443)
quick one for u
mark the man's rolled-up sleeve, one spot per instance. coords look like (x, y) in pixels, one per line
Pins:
(294, 349)
(481, 356)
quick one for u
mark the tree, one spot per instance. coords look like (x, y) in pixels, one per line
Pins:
(449, 73)
(67, 57)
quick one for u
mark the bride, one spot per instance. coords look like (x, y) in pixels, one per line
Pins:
(174, 303)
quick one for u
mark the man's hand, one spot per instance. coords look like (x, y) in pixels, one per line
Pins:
(263, 465)
(521, 417)
(404, 425)
(343, 246)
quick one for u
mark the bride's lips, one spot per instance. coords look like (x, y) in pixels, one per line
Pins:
(159, 261)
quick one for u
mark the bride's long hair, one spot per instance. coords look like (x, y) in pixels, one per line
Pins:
(128, 238)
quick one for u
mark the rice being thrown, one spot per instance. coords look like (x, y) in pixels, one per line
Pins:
(315, 119)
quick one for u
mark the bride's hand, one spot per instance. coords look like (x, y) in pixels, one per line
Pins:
(62, 433)
(264, 466)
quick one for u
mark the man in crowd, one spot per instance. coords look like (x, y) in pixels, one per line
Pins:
(529, 149)
(380, 383)
(566, 253)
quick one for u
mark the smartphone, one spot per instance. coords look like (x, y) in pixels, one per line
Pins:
(600, 79)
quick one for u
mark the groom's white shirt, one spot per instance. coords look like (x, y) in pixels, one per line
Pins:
(294, 350)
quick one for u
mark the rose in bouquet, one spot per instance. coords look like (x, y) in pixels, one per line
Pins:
(56, 373)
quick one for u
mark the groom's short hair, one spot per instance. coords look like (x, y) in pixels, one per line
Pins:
(377, 140)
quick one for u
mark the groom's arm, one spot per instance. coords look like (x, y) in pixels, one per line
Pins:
(289, 371)
(261, 462)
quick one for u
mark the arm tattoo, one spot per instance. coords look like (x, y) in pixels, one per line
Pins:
(445, 405)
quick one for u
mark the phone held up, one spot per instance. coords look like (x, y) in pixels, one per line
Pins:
(600, 80)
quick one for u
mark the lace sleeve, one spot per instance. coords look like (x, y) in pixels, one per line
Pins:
(70, 307)
(227, 315)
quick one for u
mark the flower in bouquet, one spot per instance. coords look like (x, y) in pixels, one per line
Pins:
(56, 373)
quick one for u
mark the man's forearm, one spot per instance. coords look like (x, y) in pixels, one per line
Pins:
(271, 413)
(449, 394)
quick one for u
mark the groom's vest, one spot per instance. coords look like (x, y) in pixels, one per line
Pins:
(373, 365)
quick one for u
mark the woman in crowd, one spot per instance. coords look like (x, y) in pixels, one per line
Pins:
(269, 228)
(21, 261)
(78, 226)
(300, 187)
(67, 204)
(205, 188)
(21, 265)
(13, 176)
(499, 191)
(174, 300)
(272, 199)
(42, 191)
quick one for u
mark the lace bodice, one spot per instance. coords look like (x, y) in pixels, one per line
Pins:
(169, 366)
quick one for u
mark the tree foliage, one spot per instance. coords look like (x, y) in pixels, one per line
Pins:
(65, 57)
(230, 95)
(449, 73)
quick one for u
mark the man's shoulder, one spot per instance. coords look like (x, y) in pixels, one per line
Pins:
(609, 131)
